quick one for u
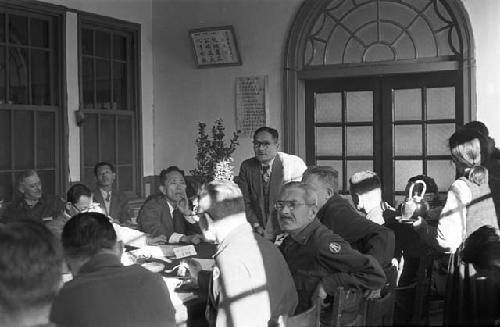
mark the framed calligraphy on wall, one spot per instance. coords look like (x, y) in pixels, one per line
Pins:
(215, 46)
(251, 104)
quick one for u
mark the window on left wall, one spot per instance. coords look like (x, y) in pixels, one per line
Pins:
(31, 113)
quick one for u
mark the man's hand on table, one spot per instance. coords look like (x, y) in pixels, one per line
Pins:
(193, 239)
(159, 240)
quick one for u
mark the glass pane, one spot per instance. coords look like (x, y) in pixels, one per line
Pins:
(120, 86)
(407, 104)
(3, 75)
(87, 41)
(18, 75)
(403, 170)
(103, 84)
(437, 138)
(46, 138)
(40, 77)
(441, 103)
(335, 164)
(125, 179)
(18, 30)
(88, 83)
(5, 138)
(108, 144)
(354, 166)
(407, 140)
(329, 141)
(443, 172)
(359, 140)
(48, 178)
(23, 140)
(6, 186)
(90, 148)
(328, 107)
(39, 33)
(2, 28)
(398, 199)
(102, 44)
(125, 142)
(360, 106)
(119, 47)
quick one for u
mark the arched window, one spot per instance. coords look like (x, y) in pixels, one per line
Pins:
(378, 84)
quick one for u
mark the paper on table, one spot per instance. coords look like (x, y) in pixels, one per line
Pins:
(184, 251)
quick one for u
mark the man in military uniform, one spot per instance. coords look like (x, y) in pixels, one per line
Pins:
(317, 255)
(343, 219)
(251, 284)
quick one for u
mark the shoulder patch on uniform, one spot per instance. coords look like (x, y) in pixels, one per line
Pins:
(215, 273)
(334, 247)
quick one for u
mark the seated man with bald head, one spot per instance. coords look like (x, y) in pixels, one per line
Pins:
(33, 204)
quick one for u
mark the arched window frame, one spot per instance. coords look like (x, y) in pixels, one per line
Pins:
(294, 72)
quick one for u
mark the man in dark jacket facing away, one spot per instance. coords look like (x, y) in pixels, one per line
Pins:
(103, 292)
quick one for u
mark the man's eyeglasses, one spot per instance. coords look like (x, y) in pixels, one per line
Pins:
(258, 144)
(280, 205)
(80, 210)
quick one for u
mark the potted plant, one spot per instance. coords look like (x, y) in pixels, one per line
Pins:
(213, 156)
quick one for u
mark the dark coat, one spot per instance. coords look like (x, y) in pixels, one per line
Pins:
(106, 293)
(154, 218)
(319, 255)
(118, 208)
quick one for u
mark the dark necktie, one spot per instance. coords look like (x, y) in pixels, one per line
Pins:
(266, 173)
(108, 196)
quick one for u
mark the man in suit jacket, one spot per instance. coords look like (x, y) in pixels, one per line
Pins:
(262, 177)
(166, 213)
(112, 201)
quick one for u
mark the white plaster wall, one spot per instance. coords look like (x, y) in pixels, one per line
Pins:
(135, 11)
(484, 16)
(185, 95)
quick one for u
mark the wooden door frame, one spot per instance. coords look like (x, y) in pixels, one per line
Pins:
(382, 87)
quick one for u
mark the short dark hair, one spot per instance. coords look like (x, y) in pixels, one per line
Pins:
(86, 234)
(274, 133)
(327, 174)
(30, 266)
(103, 164)
(76, 191)
(429, 183)
(226, 199)
(363, 182)
(165, 172)
(482, 248)
(478, 126)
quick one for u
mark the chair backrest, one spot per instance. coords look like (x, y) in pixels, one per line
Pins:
(346, 312)
(380, 311)
(308, 318)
